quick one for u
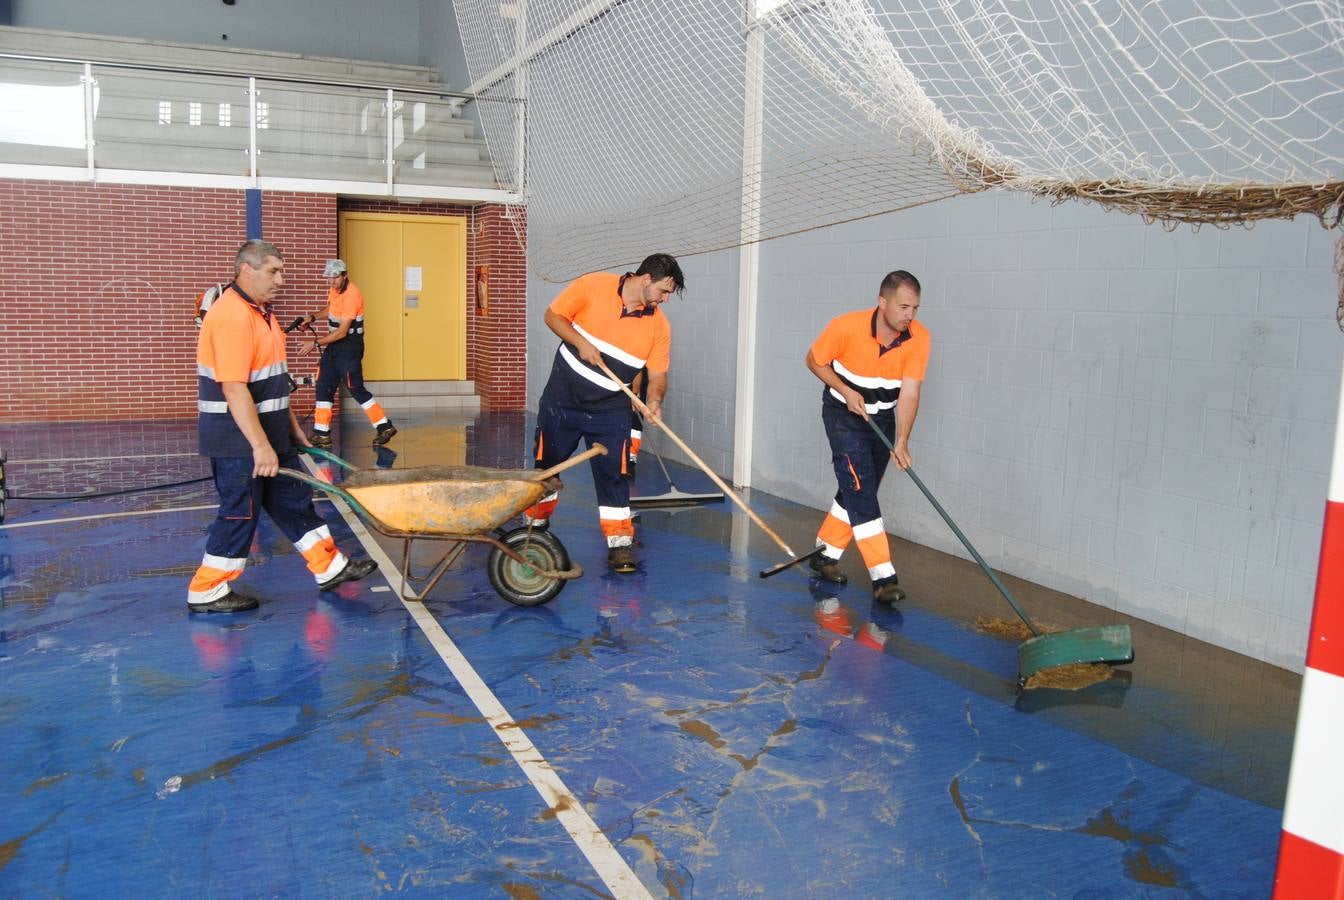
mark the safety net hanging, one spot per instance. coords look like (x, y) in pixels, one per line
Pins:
(691, 126)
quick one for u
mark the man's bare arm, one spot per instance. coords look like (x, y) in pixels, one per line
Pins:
(907, 407)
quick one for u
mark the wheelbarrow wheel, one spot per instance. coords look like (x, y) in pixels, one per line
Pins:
(524, 585)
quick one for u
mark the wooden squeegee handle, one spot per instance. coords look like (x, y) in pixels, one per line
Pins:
(595, 450)
(728, 492)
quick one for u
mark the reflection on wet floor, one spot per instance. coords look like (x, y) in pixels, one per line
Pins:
(729, 734)
(1218, 717)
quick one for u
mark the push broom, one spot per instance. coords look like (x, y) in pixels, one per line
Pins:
(729, 492)
(1111, 644)
(674, 496)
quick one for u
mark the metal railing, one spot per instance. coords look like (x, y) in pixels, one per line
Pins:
(163, 118)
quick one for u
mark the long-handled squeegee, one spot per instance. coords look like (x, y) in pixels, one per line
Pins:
(1108, 644)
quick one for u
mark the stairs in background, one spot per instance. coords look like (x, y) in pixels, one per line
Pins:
(311, 131)
(459, 396)
(206, 57)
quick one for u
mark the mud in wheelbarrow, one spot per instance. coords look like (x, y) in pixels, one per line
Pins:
(461, 505)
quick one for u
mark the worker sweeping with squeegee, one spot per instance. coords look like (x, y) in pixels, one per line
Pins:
(605, 322)
(872, 362)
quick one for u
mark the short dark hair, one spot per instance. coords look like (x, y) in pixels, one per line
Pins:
(897, 280)
(255, 253)
(662, 265)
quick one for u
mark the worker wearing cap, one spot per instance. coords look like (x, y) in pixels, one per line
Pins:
(343, 357)
(614, 320)
(872, 362)
(249, 431)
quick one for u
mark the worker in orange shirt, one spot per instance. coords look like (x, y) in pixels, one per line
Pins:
(343, 357)
(872, 363)
(615, 320)
(249, 432)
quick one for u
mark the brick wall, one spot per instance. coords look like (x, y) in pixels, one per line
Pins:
(97, 284)
(501, 367)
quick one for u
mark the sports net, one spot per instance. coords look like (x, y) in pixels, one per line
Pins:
(695, 125)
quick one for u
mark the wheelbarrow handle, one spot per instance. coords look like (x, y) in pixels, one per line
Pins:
(328, 456)
(328, 488)
(595, 450)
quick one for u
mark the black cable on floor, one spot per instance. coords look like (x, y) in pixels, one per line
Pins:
(151, 487)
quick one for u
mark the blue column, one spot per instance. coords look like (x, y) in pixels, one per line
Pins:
(253, 213)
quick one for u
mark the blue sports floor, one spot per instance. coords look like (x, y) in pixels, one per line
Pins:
(690, 730)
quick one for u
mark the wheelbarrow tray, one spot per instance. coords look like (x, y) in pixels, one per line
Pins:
(445, 500)
(460, 505)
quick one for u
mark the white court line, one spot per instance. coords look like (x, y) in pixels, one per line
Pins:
(569, 811)
(118, 515)
(76, 459)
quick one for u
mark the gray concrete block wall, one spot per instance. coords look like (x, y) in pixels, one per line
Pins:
(701, 400)
(1139, 417)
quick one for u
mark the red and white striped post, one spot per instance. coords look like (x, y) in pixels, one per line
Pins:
(1311, 848)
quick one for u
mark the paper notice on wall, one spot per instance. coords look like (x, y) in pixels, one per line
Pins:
(415, 278)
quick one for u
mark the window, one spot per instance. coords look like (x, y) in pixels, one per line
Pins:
(263, 114)
(225, 115)
(165, 112)
(194, 112)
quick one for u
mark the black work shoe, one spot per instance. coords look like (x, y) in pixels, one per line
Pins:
(886, 591)
(321, 439)
(621, 560)
(230, 603)
(827, 569)
(354, 570)
(386, 432)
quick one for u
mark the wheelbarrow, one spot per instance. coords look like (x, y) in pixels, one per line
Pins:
(461, 505)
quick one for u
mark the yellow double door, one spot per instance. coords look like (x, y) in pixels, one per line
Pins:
(413, 273)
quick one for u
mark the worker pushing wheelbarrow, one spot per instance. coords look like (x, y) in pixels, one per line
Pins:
(462, 505)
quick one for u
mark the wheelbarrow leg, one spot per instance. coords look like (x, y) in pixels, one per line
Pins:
(432, 577)
(406, 570)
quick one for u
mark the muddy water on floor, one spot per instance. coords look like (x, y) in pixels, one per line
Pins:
(1215, 716)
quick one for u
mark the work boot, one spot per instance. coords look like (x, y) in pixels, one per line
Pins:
(827, 569)
(386, 431)
(886, 591)
(354, 570)
(230, 603)
(321, 439)
(621, 560)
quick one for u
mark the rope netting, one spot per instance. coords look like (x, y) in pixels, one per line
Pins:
(694, 125)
